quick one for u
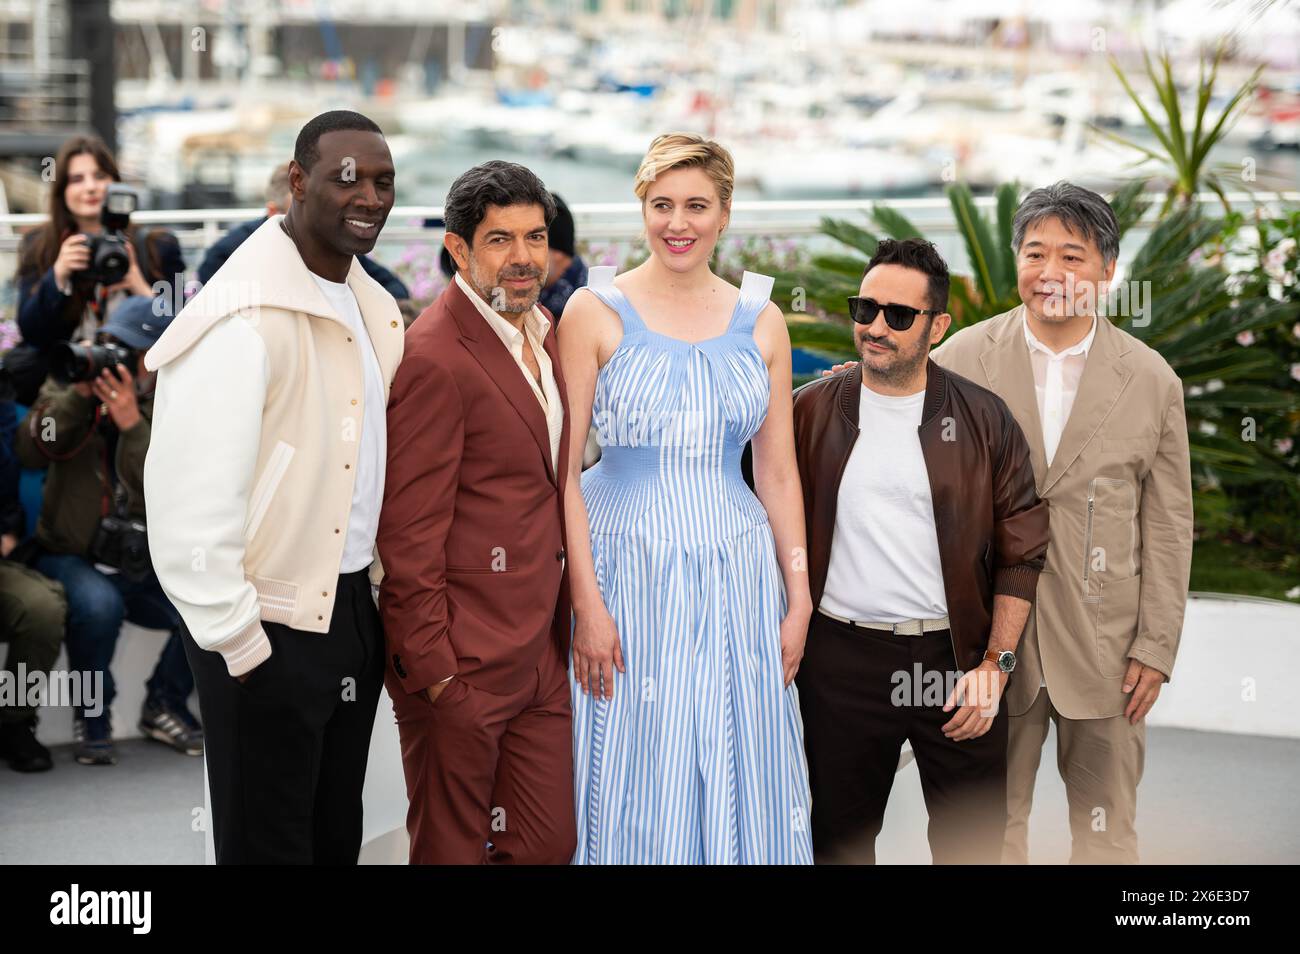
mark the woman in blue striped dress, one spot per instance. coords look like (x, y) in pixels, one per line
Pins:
(690, 593)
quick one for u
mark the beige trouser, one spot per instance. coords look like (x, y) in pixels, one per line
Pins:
(1100, 761)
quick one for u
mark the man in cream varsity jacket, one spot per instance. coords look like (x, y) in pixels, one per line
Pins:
(263, 485)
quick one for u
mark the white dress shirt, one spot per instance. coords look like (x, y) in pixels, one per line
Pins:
(1056, 383)
(368, 488)
(536, 325)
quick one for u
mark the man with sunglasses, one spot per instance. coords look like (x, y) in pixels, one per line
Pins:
(925, 540)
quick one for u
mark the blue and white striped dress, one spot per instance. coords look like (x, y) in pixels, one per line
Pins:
(698, 758)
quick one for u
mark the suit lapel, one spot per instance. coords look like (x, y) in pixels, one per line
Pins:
(1105, 376)
(1006, 366)
(552, 350)
(493, 356)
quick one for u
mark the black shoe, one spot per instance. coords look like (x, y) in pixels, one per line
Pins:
(19, 747)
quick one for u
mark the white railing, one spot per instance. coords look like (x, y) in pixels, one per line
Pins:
(614, 222)
(199, 228)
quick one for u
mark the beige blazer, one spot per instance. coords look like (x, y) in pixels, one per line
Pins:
(1120, 498)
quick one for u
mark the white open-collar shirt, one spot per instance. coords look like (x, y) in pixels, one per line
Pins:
(1056, 383)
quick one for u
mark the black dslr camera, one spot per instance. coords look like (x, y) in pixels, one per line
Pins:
(74, 363)
(123, 544)
(109, 258)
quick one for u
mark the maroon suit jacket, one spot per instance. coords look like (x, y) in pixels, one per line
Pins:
(471, 534)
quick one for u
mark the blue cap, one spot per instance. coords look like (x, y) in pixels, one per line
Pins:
(135, 324)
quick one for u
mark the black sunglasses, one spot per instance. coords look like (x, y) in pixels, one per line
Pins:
(899, 317)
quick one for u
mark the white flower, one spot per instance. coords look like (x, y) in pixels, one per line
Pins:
(1208, 427)
(1195, 390)
(1212, 386)
(1245, 339)
(1296, 330)
(1293, 593)
(1275, 260)
(1283, 445)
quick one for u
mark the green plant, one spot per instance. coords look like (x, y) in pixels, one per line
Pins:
(1184, 153)
(1201, 315)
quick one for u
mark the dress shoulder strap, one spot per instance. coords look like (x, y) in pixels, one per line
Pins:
(755, 293)
(600, 282)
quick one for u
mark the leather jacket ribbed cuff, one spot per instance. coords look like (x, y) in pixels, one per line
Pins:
(1019, 581)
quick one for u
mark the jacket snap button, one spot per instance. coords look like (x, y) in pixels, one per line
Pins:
(354, 402)
(336, 529)
(324, 594)
(349, 341)
(347, 466)
(320, 617)
(394, 324)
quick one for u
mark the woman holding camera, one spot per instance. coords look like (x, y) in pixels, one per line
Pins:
(61, 294)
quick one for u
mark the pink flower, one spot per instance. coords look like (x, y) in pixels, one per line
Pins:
(1283, 446)
(1295, 371)
(1245, 339)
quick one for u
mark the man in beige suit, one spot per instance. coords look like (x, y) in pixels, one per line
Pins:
(1104, 417)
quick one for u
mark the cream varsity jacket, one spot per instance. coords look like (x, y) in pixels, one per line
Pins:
(256, 428)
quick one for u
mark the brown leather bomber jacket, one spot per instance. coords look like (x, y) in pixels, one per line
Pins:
(991, 525)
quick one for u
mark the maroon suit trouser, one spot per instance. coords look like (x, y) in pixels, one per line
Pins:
(489, 777)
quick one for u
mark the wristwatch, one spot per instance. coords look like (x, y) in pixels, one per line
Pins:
(1006, 659)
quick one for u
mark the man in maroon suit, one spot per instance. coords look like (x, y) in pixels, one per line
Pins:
(475, 599)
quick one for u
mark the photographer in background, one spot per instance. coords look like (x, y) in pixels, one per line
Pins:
(93, 433)
(568, 272)
(75, 269)
(32, 609)
(278, 197)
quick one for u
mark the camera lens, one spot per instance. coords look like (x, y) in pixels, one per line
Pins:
(111, 262)
(71, 363)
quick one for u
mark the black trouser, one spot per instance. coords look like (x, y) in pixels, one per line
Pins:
(857, 713)
(286, 749)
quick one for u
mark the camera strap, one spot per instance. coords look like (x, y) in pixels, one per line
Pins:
(33, 426)
(106, 496)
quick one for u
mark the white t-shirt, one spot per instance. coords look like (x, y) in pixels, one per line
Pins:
(884, 565)
(368, 490)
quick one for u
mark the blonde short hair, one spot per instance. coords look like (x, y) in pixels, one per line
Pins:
(678, 150)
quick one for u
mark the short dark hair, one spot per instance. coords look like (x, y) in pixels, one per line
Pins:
(307, 148)
(493, 183)
(921, 255)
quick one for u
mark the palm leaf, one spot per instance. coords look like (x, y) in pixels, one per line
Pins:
(851, 235)
(893, 223)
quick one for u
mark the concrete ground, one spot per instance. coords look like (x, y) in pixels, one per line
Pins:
(1208, 798)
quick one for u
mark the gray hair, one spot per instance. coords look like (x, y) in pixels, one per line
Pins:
(277, 189)
(1080, 210)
